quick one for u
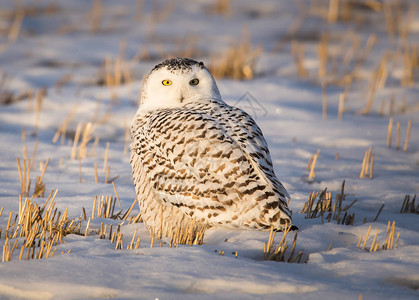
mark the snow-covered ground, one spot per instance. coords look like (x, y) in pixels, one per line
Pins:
(60, 40)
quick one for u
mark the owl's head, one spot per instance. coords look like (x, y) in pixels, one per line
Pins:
(176, 82)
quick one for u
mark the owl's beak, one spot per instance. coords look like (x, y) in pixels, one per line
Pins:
(183, 94)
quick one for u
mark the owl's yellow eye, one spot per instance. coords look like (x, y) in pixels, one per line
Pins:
(166, 82)
(194, 81)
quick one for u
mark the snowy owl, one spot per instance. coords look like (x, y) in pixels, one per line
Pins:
(194, 157)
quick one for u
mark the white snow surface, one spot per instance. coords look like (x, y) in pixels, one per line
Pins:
(287, 107)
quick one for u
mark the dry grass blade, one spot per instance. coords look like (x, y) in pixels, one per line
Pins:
(389, 132)
(114, 73)
(152, 237)
(333, 12)
(38, 105)
(24, 174)
(323, 56)
(35, 147)
(104, 207)
(310, 161)
(377, 80)
(297, 52)
(374, 241)
(96, 16)
(409, 58)
(312, 175)
(62, 81)
(366, 237)
(76, 141)
(21, 177)
(379, 212)
(372, 166)
(96, 175)
(320, 204)
(87, 228)
(268, 246)
(128, 212)
(221, 7)
(367, 164)
(406, 143)
(88, 130)
(108, 170)
(341, 105)
(40, 226)
(39, 185)
(95, 143)
(324, 101)
(63, 127)
(390, 242)
(238, 62)
(280, 251)
(409, 206)
(119, 242)
(16, 25)
(131, 245)
(191, 233)
(116, 194)
(398, 135)
(105, 160)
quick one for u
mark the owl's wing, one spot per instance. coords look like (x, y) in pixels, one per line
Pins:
(250, 139)
(209, 160)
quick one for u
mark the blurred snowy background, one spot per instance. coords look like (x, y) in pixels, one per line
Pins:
(332, 83)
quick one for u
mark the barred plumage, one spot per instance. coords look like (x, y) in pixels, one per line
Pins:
(195, 157)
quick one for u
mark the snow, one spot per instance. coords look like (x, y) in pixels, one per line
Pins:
(287, 107)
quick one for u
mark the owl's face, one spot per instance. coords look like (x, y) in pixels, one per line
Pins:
(176, 82)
